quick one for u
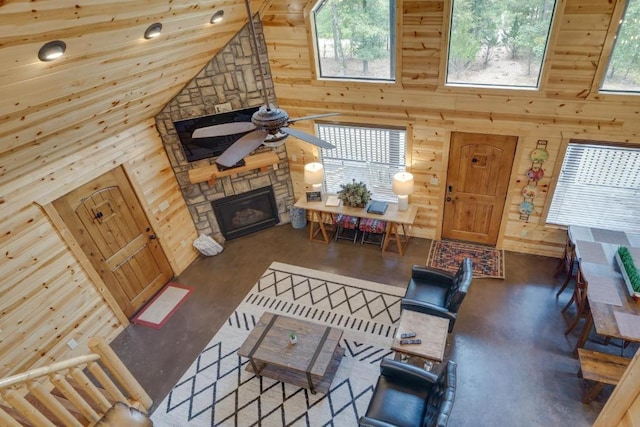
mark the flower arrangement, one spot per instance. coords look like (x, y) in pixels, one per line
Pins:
(630, 268)
(354, 194)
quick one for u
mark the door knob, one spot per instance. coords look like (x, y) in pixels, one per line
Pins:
(448, 199)
(152, 236)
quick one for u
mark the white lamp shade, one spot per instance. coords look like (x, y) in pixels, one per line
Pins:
(403, 183)
(313, 173)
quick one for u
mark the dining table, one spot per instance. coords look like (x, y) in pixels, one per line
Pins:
(614, 312)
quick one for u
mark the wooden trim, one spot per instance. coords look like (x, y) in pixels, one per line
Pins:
(311, 40)
(211, 172)
(553, 36)
(607, 48)
(444, 43)
(82, 259)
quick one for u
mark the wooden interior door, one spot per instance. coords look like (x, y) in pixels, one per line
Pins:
(108, 222)
(477, 183)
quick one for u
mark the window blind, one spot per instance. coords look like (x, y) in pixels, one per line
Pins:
(598, 186)
(367, 154)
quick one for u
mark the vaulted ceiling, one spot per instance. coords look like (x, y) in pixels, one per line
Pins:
(110, 77)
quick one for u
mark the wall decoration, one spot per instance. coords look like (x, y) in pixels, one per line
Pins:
(535, 173)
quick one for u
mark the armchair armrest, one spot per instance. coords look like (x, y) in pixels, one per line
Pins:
(370, 422)
(393, 368)
(427, 308)
(431, 275)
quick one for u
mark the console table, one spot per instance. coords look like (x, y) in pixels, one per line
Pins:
(395, 219)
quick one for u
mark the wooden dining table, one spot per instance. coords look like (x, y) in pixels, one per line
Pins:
(613, 312)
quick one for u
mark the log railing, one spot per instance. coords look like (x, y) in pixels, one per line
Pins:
(75, 392)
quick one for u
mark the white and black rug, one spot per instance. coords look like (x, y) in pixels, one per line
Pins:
(216, 390)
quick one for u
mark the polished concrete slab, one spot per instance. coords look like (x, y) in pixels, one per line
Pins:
(515, 365)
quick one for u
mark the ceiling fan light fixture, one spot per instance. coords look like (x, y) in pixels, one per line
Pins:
(275, 140)
(52, 50)
(153, 30)
(217, 17)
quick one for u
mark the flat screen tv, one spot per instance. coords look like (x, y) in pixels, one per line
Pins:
(203, 148)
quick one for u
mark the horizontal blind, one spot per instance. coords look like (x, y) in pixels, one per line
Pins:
(598, 186)
(369, 155)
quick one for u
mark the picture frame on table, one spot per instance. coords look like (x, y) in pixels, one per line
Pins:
(314, 196)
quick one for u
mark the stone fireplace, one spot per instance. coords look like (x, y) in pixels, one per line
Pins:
(246, 213)
(228, 81)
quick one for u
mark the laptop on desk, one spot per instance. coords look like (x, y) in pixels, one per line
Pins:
(377, 207)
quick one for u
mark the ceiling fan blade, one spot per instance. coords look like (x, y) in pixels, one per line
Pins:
(307, 137)
(223, 129)
(314, 116)
(241, 148)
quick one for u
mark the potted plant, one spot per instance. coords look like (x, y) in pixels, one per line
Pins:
(293, 338)
(354, 194)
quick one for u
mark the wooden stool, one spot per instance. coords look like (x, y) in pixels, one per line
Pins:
(601, 368)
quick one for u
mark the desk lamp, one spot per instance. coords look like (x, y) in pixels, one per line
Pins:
(402, 187)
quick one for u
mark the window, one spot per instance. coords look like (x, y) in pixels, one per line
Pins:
(498, 43)
(367, 154)
(598, 186)
(623, 72)
(355, 39)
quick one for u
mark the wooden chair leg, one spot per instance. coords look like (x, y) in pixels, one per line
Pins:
(591, 392)
(564, 285)
(573, 297)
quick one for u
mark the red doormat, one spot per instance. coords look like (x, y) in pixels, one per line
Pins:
(160, 309)
(448, 254)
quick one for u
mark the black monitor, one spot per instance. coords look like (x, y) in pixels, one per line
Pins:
(203, 148)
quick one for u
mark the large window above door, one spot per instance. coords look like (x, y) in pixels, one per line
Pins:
(355, 39)
(365, 154)
(598, 186)
(498, 43)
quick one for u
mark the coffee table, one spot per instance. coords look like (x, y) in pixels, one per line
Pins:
(310, 363)
(433, 332)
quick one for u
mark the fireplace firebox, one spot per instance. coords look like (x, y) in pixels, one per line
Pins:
(246, 213)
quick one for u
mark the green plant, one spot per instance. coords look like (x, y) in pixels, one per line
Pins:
(629, 267)
(354, 194)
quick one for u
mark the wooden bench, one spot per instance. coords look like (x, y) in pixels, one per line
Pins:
(601, 368)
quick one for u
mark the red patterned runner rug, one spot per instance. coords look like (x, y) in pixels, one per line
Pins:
(448, 254)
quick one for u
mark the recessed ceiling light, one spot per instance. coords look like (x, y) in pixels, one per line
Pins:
(217, 17)
(153, 30)
(52, 50)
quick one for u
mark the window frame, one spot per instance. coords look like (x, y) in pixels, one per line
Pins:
(314, 64)
(608, 48)
(545, 67)
(558, 168)
(388, 195)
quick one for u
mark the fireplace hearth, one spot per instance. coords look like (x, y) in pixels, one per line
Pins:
(246, 213)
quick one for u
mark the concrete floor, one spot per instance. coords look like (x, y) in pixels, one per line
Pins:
(515, 366)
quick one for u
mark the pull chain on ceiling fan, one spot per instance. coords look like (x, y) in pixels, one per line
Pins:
(268, 126)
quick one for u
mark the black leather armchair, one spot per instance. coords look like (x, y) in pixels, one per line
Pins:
(407, 396)
(437, 292)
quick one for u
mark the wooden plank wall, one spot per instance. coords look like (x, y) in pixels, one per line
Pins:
(65, 122)
(567, 106)
(46, 296)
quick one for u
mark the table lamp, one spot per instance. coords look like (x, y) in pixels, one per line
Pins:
(402, 187)
(314, 175)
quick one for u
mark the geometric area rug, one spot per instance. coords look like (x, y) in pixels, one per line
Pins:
(448, 255)
(217, 390)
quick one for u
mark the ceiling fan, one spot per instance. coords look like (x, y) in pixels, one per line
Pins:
(268, 126)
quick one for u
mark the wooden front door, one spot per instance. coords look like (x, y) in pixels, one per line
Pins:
(107, 220)
(477, 182)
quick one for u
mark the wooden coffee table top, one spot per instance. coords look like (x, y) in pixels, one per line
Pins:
(431, 330)
(268, 343)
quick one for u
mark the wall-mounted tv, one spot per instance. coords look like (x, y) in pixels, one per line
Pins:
(203, 148)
